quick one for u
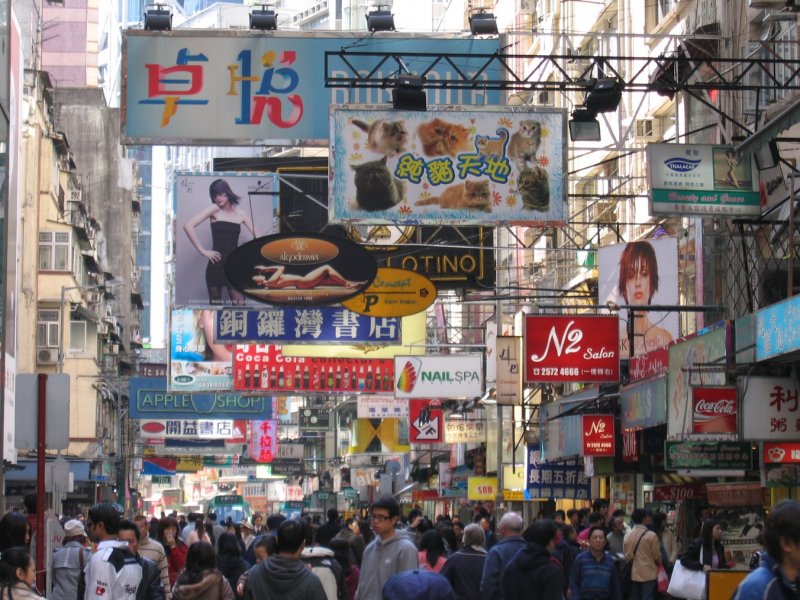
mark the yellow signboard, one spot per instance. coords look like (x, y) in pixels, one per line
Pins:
(481, 488)
(394, 293)
(413, 343)
(513, 479)
(513, 495)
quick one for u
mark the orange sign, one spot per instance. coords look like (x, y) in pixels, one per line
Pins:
(394, 293)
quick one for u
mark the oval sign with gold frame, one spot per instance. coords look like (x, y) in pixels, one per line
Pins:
(394, 293)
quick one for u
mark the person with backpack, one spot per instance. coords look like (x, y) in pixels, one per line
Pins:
(68, 563)
(151, 588)
(323, 564)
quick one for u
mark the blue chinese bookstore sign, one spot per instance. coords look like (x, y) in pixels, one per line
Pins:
(328, 324)
(555, 479)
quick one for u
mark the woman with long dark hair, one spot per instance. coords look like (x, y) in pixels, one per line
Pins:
(201, 533)
(174, 547)
(706, 552)
(14, 531)
(18, 575)
(432, 555)
(200, 579)
(229, 559)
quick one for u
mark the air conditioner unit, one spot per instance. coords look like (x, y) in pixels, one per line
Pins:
(47, 356)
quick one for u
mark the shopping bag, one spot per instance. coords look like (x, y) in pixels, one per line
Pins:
(663, 579)
(686, 583)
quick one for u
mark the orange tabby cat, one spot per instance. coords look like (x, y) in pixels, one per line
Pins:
(473, 195)
(440, 138)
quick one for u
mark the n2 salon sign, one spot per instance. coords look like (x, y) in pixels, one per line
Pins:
(450, 376)
(598, 435)
(571, 348)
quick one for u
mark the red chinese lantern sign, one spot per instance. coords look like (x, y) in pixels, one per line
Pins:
(263, 440)
(598, 435)
(571, 348)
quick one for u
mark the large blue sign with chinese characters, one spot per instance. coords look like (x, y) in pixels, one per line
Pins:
(328, 324)
(773, 337)
(239, 87)
(555, 479)
(149, 399)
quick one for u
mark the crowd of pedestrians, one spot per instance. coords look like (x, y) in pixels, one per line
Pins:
(581, 555)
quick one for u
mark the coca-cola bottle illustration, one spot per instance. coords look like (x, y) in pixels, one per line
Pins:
(297, 378)
(338, 378)
(306, 378)
(256, 379)
(264, 377)
(368, 379)
(247, 376)
(273, 379)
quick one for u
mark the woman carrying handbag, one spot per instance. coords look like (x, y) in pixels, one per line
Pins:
(703, 554)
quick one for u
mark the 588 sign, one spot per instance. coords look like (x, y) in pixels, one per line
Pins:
(571, 348)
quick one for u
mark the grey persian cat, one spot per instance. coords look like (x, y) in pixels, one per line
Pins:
(534, 187)
(376, 189)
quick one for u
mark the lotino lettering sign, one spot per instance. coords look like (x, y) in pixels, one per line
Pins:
(451, 376)
(598, 435)
(149, 399)
(571, 348)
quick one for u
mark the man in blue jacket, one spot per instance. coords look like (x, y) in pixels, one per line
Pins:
(511, 542)
(778, 575)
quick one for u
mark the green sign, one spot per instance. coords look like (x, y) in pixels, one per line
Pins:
(348, 492)
(162, 479)
(729, 456)
(323, 495)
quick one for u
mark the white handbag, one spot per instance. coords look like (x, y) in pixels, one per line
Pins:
(685, 583)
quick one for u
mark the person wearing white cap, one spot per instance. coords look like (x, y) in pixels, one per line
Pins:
(68, 562)
(247, 533)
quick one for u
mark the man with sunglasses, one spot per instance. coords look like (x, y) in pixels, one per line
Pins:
(391, 552)
(113, 573)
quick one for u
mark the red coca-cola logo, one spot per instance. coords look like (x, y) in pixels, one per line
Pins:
(712, 409)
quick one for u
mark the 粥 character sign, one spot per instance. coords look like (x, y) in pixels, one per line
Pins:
(598, 435)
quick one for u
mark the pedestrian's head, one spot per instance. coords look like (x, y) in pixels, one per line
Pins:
(200, 557)
(474, 536)
(291, 537)
(30, 503)
(103, 522)
(458, 528)
(341, 552)
(710, 531)
(264, 547)
(782, 532)
(14, 531)
(333, 515)
(384, 513)
(418, 585)
(227, 545)
(16, 565)
(600, 506)
(618, 524)
(572, 515)
(596, 519)
(510, 524)
(559, 517)
(141, 523)
(542, 532)
(638, 273)
(129, 532)
(597, 538)
(167, 529)
(568, 533)
(74, 530)
(274, 521)
(638, 515)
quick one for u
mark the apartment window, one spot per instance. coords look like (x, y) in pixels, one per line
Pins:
(77, 336)
(47, 324)
(54, 250)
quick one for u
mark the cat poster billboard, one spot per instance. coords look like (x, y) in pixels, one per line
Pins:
(488, 166)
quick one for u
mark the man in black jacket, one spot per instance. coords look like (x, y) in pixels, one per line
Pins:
(533, 573)
(151, 587)
(328, 531)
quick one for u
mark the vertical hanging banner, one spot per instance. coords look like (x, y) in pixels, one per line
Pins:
(509, 370)
(263, 440)
(427, 421)
(598, 435)
(715, 409)
(197, 363)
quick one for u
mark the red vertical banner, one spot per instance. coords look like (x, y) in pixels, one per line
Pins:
(630, 449)
(263, 440)
(598, 435)
(427, 421)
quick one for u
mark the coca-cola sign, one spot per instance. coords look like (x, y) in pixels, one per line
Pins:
(715, 410)
(571, 348)
(598, 435)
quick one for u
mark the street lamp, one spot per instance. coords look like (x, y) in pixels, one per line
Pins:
(63, 322)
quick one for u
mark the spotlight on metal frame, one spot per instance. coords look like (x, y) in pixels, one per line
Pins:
(408, 93)
(604, 95)
(380, 19)
(583, 126)
(482, 23)
(264, 18)
(158, 18)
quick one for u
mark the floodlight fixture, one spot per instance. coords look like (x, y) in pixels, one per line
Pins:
(604, 95)
(408, 93)
(158, 18)
(264, 18)
(380, 19)
(482, 23)
(584, 126)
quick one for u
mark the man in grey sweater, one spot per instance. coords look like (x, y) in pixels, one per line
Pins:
(391, 552)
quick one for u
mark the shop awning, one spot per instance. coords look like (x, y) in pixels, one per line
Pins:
(783, 120)
(27, 472)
